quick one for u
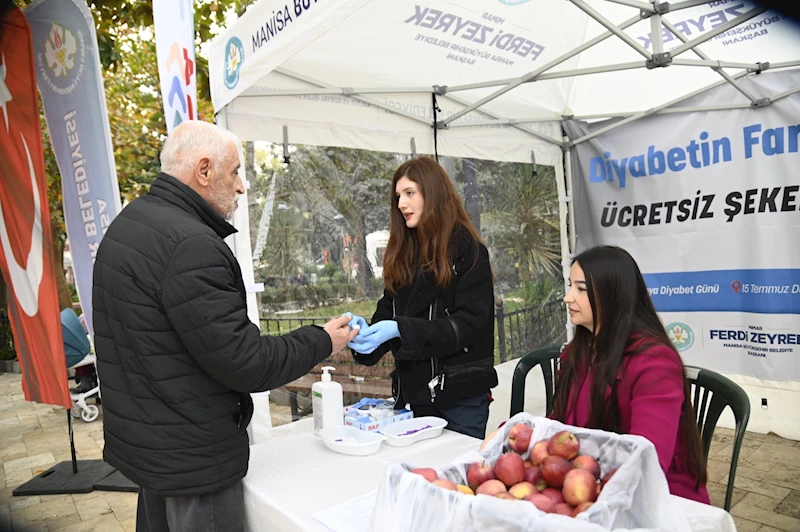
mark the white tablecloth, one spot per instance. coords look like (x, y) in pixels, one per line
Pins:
(293, 475)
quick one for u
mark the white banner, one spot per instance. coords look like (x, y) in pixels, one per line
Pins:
(709, 206)
(174, 23)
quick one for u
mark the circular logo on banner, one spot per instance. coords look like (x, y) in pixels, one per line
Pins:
(234, 57)
(681, 335)
(64, 57)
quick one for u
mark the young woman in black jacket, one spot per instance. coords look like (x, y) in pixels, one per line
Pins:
(436, 313)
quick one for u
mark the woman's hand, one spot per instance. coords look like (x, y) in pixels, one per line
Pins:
(376, 334)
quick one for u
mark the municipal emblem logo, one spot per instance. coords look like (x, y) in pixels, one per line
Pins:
(61, 62)
(681, 335)
(59, 50)
(234, 57)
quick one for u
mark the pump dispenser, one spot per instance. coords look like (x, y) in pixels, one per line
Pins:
(327, 401)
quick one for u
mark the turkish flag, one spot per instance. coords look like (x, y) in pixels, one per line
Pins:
(26, 249)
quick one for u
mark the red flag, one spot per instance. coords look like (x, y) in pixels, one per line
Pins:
(26, 247)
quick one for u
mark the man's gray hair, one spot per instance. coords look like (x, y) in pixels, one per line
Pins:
(191, 141)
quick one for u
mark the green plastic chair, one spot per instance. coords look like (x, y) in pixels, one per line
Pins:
(547, 357)
(724, 392)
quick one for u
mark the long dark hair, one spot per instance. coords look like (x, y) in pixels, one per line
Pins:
(428, 245)
(623, 314)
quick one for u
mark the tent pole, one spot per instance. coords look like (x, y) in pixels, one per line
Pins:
(563, 229)
(610, 26)
(370, 101)
(675, 52)
(649, 112)
(531, 76)
(685, 5)
(667, 24)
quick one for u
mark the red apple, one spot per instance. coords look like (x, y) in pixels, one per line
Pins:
(588, 463)
(564, 444)
(478, 473)
(554, 495)
(554, 468)
(445, 483)
(541, 502)
(490, 487)
(539, 452)
(426, 472)
(522, 489)
(519, 437)
(505, 495)
(563, 509)
(528, 464)
(607, 478)
(510, 469)
(581, 508)
(534, 476)
(579, 486)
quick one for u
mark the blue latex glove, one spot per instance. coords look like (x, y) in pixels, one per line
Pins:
(356, 320)
(370, 338)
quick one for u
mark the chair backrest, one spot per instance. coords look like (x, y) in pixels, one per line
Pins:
(76, 341)
(723, 392)
(547, 357)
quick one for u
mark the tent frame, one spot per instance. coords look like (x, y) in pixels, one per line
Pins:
(658, 58)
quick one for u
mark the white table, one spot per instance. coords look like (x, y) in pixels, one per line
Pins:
(293, 475)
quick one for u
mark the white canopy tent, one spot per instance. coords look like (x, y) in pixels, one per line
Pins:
(488, 79)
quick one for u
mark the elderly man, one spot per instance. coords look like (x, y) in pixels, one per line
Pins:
(176, 352)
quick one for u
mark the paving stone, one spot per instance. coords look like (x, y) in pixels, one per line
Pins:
(745, 525)
(790, 505)
(28, 462)
(751, 508)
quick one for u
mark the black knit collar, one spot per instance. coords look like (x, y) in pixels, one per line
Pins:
(170, 189)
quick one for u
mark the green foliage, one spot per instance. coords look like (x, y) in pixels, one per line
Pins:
(542, 290)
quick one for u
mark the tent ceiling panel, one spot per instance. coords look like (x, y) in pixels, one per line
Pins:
(400, 49)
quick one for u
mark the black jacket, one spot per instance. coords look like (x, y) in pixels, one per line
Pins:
(444, 333)
(176, 352)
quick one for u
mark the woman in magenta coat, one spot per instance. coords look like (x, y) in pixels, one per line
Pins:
(621, 373)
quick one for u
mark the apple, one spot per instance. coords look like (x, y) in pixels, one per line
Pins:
(522, 489)
(581, 508)
(579, 486)
(528, 464)
(588, 463)
(478, 473)
(445, 483)
(564, 444)
(505, 495)
(510, 469)
(489, 437)
(539, 452)
(541, 502)
(519, 437)
(563, 509)
(554, 468)
(534, 476)
(490, 487)
(553, 494)
(464, 489)
(607, 478)
(426, 472)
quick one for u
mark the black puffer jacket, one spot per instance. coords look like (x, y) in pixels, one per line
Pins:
(444, 333)
(176, 352)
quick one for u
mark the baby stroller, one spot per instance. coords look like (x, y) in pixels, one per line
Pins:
(78, 352)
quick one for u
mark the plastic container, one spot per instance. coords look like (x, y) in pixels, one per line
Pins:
(350, 440)
(413, 430)
(327, 402)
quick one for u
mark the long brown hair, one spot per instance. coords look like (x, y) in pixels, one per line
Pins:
(623, 314)
(426, 247)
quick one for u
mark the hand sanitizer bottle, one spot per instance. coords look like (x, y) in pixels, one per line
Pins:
(327, 401)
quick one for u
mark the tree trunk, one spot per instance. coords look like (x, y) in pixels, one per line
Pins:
(365, 273)
(468, 177)
(64, 295)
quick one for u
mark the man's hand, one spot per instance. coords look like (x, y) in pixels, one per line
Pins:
(339, 331)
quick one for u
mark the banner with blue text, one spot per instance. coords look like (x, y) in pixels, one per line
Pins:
(174, 24)
(70, 81)
(708, 203)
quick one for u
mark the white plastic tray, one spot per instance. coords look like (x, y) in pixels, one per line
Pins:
(350, 440)
(397, 434)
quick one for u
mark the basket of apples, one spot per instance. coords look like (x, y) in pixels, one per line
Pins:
(534, 474)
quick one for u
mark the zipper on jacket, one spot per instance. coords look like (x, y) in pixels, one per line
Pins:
(434, 377)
